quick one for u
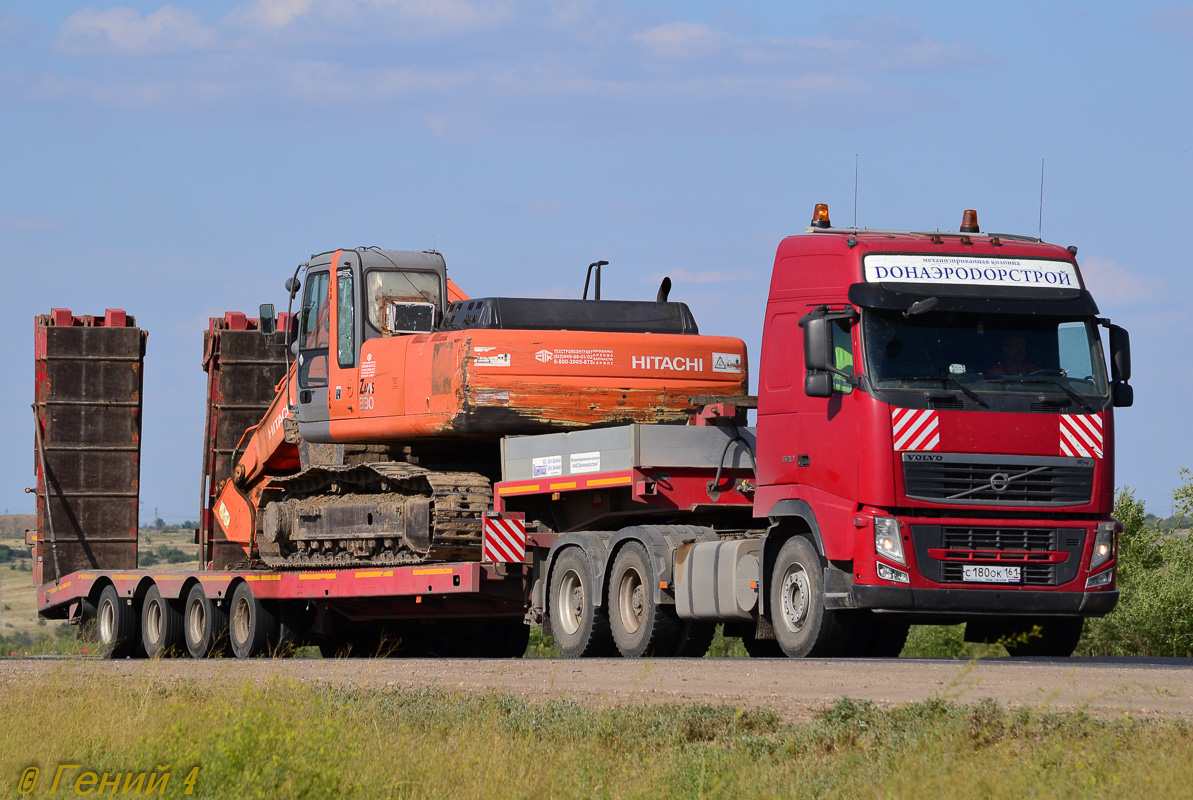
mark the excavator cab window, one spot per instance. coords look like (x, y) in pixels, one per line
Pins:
(345, 319)
(315, 335)
(402, 301)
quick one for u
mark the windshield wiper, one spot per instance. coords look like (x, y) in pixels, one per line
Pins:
(946, 380)
(1048, 380)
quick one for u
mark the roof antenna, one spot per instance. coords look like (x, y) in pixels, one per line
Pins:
(1040, 232)
(855, 160)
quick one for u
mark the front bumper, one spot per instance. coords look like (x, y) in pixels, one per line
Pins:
(973, 601)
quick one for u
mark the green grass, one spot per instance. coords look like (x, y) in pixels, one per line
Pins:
(281, 739)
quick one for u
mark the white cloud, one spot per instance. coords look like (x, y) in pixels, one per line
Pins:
(277, 13)
(123, 30)
(1114, 285)
(685, 40)
(440, 16)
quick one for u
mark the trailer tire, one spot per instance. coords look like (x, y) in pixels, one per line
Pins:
(641, 626)
(161, 626)
(581, 628)
(252, 625)
(803, 626)
(204, 625)
(118, 628)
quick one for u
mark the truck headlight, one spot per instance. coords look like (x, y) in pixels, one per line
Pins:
(1103, 545)
(887, 541)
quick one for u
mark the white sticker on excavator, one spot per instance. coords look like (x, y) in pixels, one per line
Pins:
(726, 362)
(225, 517)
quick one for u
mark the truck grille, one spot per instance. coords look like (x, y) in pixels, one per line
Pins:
(1045, 556)
(967, 538)
(998, 480)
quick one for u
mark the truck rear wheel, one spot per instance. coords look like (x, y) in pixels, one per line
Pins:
(641, 626)
(581, 629)
(161, 626)
(252, 625)
(117, 627)
(204, 625)
(803, 626)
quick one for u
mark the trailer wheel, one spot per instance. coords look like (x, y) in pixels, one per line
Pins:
(204, 625)
(117, 627)
(161, 626)
(803, 626)
(252, 625)
(641, 626)
(581, 629)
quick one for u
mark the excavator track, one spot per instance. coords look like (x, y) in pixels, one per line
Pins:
(372, 514)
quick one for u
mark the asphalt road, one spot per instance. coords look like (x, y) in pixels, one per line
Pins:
(793, 688)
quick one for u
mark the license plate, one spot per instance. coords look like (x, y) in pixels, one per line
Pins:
(985, 574)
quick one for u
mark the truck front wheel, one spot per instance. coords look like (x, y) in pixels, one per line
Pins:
(803, 626)
(581, 629)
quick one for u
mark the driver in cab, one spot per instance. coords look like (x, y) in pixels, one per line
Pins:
(1014, 357)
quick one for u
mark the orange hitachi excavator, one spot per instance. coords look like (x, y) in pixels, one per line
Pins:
(383, 441)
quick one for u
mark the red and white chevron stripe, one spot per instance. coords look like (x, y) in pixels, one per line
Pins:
(1081, 435)
(504, 540)
(915, 429)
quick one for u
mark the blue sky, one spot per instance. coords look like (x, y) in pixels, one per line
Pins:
(178, 160)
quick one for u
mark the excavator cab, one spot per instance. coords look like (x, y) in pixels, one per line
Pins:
(350, 297)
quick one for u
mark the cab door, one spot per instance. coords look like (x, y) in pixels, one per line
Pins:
(314, 339)
(343, 394)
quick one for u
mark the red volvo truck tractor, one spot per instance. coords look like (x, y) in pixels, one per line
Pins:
(934, 444)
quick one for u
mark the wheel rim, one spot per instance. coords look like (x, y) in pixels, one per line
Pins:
(153, 621)
(795, 598)
(571, 602)
(242, 620)
(631, 601)
(196, 621)
(107, 622)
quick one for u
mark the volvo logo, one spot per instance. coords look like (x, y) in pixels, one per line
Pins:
(999, 481)
(922, 457)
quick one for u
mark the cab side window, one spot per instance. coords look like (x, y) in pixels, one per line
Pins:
(315, 333)
(843, 355)
(345, 320)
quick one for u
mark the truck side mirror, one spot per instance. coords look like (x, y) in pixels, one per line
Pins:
(268, 318)
(820, 384)
(1120, 354)
(1122, 395)
(818, 343)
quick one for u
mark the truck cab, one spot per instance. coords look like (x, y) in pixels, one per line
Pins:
(935, 413)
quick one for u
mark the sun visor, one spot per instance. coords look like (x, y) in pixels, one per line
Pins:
(976, 299)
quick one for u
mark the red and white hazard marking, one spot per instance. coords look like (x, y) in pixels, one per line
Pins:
(915, 429)
(504, 540)
(1081, 435)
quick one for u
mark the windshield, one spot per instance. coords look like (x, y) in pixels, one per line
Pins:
(988, 353)
(386, 286)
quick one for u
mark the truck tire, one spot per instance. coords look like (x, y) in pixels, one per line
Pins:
(118, 629)
(581, 629)
(640, 625)
(252, 625)
(804, 628)
(204, 625)
(161, 626)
